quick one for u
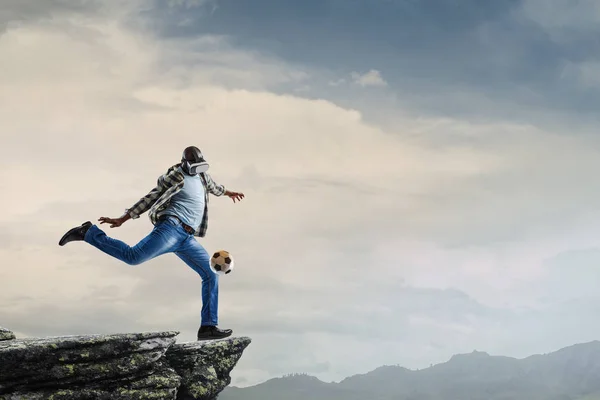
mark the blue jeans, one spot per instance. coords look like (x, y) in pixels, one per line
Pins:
(168, 236)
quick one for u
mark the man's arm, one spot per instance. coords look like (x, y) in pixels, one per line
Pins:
(143, 204)
(234, 195)
(213, 187)
(220, 190)
(146, 202)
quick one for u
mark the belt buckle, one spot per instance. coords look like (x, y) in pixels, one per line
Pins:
(186, 227)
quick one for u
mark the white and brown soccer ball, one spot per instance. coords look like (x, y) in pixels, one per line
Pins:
(221, 262)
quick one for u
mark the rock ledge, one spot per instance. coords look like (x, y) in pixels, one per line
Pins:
(130, 366)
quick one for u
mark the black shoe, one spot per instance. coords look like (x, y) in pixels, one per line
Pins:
(212, 332)
(77, 233)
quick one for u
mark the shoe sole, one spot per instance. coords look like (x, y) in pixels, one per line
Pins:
(213, 338)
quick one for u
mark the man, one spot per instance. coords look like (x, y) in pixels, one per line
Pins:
(178, 209)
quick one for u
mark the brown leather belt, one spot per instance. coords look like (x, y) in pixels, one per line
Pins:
(186, 227)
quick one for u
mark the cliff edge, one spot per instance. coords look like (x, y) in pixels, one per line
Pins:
(132, 366)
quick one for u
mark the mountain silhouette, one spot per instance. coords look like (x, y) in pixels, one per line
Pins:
(572, 373)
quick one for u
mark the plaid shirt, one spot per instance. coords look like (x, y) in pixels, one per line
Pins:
(169, 184)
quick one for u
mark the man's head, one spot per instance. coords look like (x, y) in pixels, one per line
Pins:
(192, 161)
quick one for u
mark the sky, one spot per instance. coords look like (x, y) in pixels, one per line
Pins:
(420, 176)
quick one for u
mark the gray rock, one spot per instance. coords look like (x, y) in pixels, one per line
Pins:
(57, 362)
(162, 384)
(205, 366)
(136, 366)
(5, 334)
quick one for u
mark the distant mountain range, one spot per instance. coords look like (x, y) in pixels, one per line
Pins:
(572, 373)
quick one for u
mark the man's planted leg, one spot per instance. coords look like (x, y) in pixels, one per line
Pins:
(194, 255)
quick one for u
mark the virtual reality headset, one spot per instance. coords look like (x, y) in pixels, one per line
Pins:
(195, 167)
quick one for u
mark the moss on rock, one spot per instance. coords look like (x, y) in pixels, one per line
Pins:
(205, 367)
(5, 334)
(69, 360)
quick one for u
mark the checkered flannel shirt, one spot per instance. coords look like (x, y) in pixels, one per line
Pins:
(169, 184)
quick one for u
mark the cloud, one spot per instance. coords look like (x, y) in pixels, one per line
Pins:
(189, 3)
(490, 61)
(585, 75)
(25, 12)
(337, 82)
(371, 78)
(562, 15)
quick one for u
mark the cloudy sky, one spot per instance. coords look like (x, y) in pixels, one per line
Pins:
(420, 176)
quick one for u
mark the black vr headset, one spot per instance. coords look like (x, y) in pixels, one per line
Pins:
(193, 162)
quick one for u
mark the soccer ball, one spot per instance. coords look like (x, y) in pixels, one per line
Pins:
(221, 262)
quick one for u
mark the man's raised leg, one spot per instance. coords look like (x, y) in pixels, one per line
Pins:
(162, 239)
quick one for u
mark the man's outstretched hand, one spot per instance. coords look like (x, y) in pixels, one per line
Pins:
(234, 195)
(114, 222)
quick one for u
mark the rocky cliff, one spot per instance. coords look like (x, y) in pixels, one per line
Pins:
(134, 366)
